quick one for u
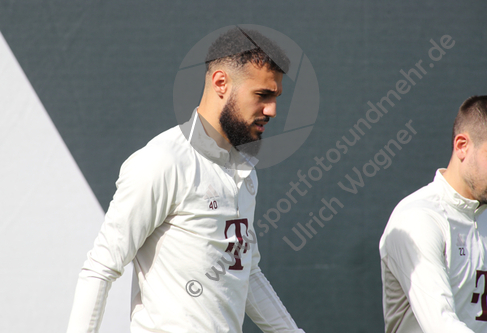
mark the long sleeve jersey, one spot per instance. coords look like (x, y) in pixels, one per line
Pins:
(183, 213)
(433, 261)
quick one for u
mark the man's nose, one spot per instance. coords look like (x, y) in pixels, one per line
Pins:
(270, 109)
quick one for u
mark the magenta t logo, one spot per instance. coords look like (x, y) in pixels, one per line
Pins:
(236, 248)
(483, 301)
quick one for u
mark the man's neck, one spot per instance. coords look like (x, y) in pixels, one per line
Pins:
(452, 176)
(214, 134)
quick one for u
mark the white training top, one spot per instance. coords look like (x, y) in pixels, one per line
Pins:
(433, 260)
(180, 208)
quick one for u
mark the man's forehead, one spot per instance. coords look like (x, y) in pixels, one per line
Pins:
(263, 78)
(256, 69)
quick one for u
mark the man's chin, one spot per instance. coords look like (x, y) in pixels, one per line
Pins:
(256, 135)
(482, 198)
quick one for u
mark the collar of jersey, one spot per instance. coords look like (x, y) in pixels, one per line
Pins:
(206, 146)
(456, 199)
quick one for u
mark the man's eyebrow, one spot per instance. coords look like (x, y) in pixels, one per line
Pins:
(269, 91)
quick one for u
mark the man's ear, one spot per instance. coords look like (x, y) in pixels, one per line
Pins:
(220, 82)
(461, 144)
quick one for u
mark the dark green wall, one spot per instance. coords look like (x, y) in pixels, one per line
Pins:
(104, 71)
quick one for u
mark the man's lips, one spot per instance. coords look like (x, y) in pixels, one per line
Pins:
(261, 123)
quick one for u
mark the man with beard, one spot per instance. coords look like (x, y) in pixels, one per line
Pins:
(433, 250)
(184, 208)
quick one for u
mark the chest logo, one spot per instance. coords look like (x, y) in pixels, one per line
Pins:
(461, 241)
(249, 184)
(211, 196)
(236, 249)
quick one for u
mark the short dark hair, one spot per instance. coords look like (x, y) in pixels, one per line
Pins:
(237, 47)
(472, 118)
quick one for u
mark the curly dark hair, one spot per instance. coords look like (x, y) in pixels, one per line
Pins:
(472, 118)
(236, 47)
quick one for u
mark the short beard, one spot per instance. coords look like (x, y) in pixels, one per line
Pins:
(478, 194)
(474, 182)
(237, 131)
